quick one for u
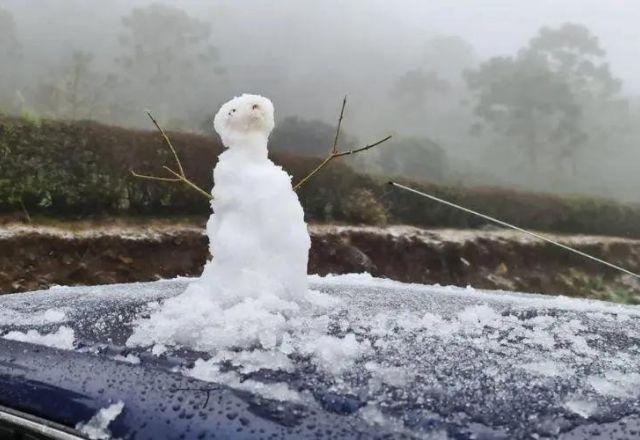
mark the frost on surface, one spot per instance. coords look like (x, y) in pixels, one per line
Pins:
(616, 383)
(548, 368)
(97, 428)
(209, 371)
(582, 406)
(508, 365)
(336, 354)
(158, 349)
(63, 338)
(9, 316)
(383, 350)
(251, 361)
(130, 359)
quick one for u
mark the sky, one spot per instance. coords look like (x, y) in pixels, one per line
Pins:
(493, 27)
(502, 26)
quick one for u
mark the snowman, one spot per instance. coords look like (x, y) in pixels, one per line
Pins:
(255, 286)
(257, 234)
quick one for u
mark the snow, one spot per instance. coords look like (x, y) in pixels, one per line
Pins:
(399, 335)
(81, 231)
(582, 406)
(477, 317)
(616, 383)
(336, 354)
(97, 427)
(251, 361)
(158, 349)
(548, 368)
(525, 299)
(12, 317)
(209, 371)
(394, 376)
(130, 358)
(63, 338)
(257, 232)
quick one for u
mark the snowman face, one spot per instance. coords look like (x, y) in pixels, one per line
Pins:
(246, 114)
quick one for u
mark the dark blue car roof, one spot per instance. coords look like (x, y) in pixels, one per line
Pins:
(497, 378)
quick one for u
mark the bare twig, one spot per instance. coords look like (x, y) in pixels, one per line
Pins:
(334, 153)
(365, 148)
(167, 140)
(162, 179)
(180, 175)
(334, 149)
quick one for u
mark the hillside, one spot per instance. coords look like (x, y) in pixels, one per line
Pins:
(85, 253)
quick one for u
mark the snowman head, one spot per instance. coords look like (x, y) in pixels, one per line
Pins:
(244, 117)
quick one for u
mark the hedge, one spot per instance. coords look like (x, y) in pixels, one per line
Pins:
(79, 169)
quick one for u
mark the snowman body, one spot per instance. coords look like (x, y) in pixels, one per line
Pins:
(257, 234)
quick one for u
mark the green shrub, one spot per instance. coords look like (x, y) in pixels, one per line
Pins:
(79, 169)
(361, 206)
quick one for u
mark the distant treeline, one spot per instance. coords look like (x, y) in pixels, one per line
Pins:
(82, 169)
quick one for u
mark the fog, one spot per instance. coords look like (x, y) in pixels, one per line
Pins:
(558, 111)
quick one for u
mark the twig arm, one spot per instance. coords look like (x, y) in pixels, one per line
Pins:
(334, 148)
(161, 179)
(315, 170)
(332, 156)
(180, 175)
(334, 153)
(168, 142)
(365, 148)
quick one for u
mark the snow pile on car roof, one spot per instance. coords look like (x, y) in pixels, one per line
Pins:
(63, 338)
(387, 345)
(498, 364)
(97, 428)
(9, 316)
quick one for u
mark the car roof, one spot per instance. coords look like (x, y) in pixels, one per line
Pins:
(457, 362)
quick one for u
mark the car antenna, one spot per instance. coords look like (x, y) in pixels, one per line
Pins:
(509, 225)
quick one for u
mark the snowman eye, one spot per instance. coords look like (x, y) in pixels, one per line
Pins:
(255, 107)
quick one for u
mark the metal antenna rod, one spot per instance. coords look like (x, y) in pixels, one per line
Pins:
(508, 225)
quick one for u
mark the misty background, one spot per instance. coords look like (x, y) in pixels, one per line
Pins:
(540, 95)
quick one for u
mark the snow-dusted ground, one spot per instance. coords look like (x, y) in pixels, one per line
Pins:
(160, 229)
(416, 359)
